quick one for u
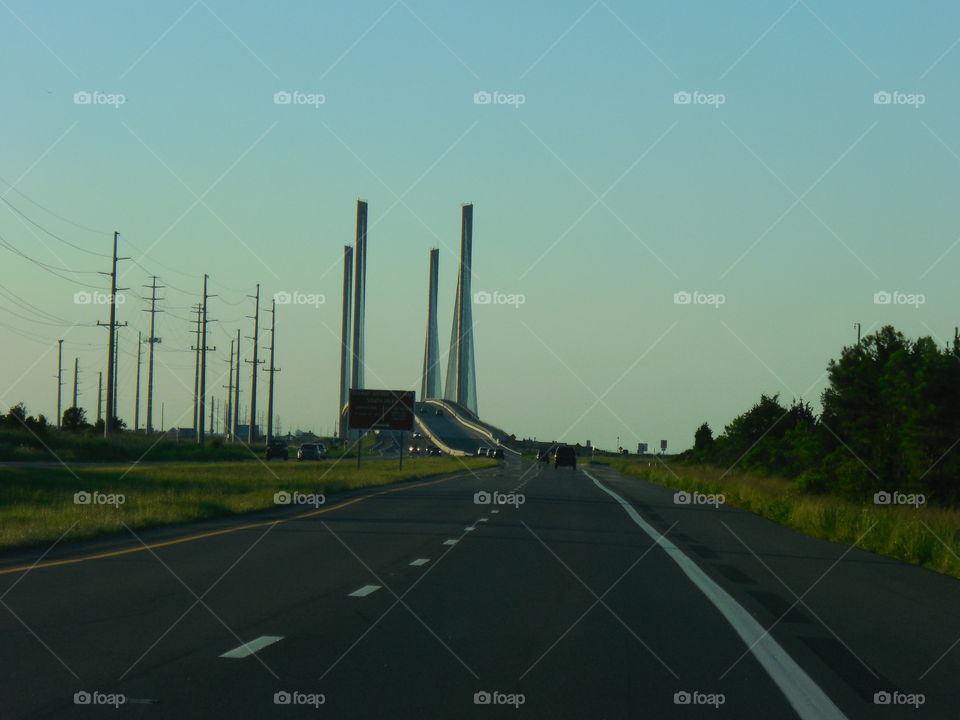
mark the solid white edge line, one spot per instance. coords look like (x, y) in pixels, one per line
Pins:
(807, 698)
(420, 561)
(248, 649)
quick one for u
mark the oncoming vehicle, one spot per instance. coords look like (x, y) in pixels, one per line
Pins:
(311, 451)
(543, 456)
(278, 450)
(496, 453)
(482, 452)
(434, 451)
(565, 455)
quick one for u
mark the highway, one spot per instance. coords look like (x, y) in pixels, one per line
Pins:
(575, 594)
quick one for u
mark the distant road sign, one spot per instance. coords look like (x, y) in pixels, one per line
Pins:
(663, 446)
(381, 409)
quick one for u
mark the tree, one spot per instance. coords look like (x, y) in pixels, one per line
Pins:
(74, 419)
(703, 439)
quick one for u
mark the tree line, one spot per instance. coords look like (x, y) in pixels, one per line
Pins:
(890, 422)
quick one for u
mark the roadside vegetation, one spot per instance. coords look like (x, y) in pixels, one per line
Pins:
(37, 505)
(880, 464)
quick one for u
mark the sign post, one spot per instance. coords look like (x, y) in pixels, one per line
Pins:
(381, 410)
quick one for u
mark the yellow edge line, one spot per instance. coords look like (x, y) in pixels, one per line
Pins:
(213, 533)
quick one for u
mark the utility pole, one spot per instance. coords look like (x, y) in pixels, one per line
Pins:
(857, 325)
(152, 340)
(203, 363)
(273, 370)
(116, 374)
(76, 377)
(59, 382)
(228, 430)
(251, 434)
(196, 372)
(99, 396)
(136, 405)
(236, 392)
(112, 325)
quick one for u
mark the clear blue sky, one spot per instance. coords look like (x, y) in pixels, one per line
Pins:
(703, 198)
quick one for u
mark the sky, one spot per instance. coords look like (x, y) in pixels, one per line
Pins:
(777, 164)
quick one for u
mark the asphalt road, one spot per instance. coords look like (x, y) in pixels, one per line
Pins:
(595, 597)
(451, 432)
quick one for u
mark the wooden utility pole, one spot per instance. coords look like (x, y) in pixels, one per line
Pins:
(203, 363)
(100, 396)
(196, 371)
(152, 340)
(112, 325)
(272, 370)
(76, 377)
(251, 430)
(236, 392)
(228, 429)
(136, 405)
(59, 383)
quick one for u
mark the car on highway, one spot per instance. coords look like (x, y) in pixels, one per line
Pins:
(481, 452)
(566, 456)
(311, 451)
(438, 412)
(414, 450)
(278, 450)
(543, 456)
(496, 453)
(434, 451)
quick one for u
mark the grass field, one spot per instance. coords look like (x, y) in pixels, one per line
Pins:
(927, 536)
(37, 504)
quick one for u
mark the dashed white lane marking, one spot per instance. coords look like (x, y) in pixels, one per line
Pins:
(248, 649)
(483, 520)
(469, 529)
(420, 561)
(807, 698)
(364, 591)
(451, 541)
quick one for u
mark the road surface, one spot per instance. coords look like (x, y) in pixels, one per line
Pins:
(595, 597)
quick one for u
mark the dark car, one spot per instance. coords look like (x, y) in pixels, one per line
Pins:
(496, 453)
(438, 412)
(481, 452)
(311, 451)
(565, 456)
(434, 451)
(543, 456)
(277, 450)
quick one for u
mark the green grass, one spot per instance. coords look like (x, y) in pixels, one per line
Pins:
(37, 504)
(929, 536)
